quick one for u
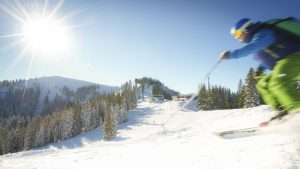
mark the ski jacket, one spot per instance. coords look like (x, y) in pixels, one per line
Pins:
(268, 47)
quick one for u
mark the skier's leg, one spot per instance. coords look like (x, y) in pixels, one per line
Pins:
(284, 82)
(263, 89)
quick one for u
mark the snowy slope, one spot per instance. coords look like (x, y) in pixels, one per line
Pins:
(147, 91)
(186, 142)
(53, 85)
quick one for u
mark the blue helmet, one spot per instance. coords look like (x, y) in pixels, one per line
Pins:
(241, 27)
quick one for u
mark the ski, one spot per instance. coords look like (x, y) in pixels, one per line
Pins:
(238, 133)
(280, 118)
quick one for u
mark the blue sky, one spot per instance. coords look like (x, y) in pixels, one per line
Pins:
(177, 42)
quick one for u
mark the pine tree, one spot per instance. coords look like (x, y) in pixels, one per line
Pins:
(109, 126)
(240, 99)
(29, 141)
(3, 133)
(25, 132)
(210, 99)
(215, 97)
(202, 98)
(86, 117)
(55, 125)
(47, 129)
(9, 142)
(252, 97)
(77, 128)
(46, 106)
(122, 110)
(67, 123)
(16, 140)
(40, 137)
(95, 116)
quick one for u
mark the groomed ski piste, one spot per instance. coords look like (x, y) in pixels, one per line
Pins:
(185, 142)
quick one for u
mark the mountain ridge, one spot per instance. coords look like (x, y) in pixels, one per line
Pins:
(33, 95)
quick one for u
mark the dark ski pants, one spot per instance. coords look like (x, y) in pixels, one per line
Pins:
(280, 87)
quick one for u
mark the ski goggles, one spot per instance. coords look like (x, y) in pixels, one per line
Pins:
(237, 33)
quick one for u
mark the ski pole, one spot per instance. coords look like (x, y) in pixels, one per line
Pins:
(206, 76)
(194, 95)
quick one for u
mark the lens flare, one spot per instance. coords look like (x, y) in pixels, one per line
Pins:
(46, 36)
(42, 34)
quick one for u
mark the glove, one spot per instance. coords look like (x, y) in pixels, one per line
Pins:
(224, 55)
(264, 124)
(259, 73)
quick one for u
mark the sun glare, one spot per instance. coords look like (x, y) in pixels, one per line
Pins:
(41, 31)
(46, 37)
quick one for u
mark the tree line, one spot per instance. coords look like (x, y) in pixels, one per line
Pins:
(217, 97)
(19, 133)
(158, 88)
(17, 99)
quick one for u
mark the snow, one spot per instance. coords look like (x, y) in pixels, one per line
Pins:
(53, 85)
(147, 91)
(186, 141)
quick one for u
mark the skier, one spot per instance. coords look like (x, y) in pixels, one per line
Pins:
(277, 50)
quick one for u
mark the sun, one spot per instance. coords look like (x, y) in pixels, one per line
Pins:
(39, 30)
(47, 37)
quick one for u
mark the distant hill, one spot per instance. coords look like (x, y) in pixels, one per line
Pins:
(152, 87)
(53, 85)
(46, 95)
(33, 96)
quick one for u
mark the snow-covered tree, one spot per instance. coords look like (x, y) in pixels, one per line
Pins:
(46, 106)
(240, 95)
(202, 98)
(215, 97)
(30, 135)
(9, 142)
(86, 117)
(61, 118)
(2, 140)
(67, 123)
(77, 127)
(40, 136)
(252, 98)
(120, 109)
(95, 116)
(55, 125)
(109, 126)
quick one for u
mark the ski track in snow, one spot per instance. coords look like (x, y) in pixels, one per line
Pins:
(186, 142)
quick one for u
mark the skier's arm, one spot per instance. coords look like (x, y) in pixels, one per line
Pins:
(260, 41)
